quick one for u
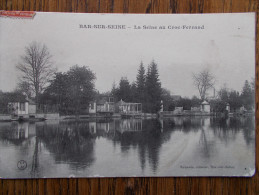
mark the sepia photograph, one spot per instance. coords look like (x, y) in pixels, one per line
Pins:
(126, 95)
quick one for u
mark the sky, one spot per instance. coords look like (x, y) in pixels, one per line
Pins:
(226, 46)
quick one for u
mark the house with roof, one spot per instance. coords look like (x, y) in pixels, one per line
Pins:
(205, 106)
(128, 108)
(22, 107)
(104, 104)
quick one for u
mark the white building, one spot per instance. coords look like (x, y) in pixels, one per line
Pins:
(103, 105)
(205, 107)
(228, 107)
(22, 107)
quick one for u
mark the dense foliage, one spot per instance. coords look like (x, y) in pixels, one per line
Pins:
(71, 91)
(146, 90)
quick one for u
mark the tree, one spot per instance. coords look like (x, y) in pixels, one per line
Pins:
(57, 92)
(203, 80)
(234, 100)
(224, 94)
(218, 106)
(186, 103)
(133, 92)
(195, 101)
(168, 104)
(114, 89)
(59, 87)
(6, 97)
(146, 90)
(252, 84)
(247, 96)
(124, 91)
(140, 84)
(36, 67)
(25, 88)
(153, 89)
(72, 91)
(81, 88)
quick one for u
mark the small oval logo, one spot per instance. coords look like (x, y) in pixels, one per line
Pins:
(22, 164)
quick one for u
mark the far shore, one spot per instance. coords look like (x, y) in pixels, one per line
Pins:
(161, 115)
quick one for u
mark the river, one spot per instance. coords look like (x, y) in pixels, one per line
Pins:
(179, 146)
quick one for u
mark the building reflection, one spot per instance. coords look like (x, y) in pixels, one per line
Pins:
(147, 136)
(16, 133)
(128, 125)
(73, 142)
(120, 126)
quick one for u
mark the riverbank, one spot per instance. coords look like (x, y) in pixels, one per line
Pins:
(114, 115)
(56, 116)
(26, 117)
(167, 114)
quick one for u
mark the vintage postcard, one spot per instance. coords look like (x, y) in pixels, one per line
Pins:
(122, 95)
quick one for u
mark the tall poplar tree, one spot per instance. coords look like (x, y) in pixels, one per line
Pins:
(140, 84)
(153, 89)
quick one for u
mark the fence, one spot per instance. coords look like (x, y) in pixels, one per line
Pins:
(43, 108)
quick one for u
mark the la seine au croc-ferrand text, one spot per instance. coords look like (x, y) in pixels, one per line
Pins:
(142, 27)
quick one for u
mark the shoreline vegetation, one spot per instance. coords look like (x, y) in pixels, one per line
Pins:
(49, 94)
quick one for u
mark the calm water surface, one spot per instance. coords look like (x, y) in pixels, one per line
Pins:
(129, 147)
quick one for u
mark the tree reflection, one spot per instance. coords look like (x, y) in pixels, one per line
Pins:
(73, 142)
(35, 168)
(184, 124)
(207, 144)
(145, 135)
(196, 124)
(249, 129)
(70, 142)
(226, 129)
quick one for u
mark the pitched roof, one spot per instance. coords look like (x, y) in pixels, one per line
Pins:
(13, 97)
(121, 102)
(30, 101)
(21, 99)
(101, 101)
(205, 103)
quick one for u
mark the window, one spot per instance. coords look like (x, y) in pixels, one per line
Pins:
(92, 106)
(111, 99)
(22, 106)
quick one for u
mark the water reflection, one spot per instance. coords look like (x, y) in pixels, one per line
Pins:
(74, 143)
(16, 133)
(70, 142)
(226, 129)
(148, 139)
